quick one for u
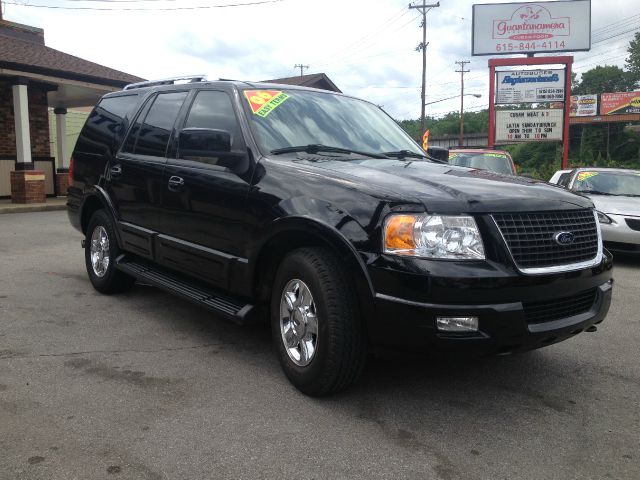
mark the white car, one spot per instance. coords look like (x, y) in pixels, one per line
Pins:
(616, 194)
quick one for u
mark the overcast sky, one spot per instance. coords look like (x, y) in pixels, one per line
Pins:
(366, 47)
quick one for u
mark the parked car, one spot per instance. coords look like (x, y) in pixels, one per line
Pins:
(496, 161)
(315, 210)
(616, 195)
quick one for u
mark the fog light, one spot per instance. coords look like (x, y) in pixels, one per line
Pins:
(457, 324)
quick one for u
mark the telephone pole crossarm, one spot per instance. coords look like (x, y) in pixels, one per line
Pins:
(301, 67)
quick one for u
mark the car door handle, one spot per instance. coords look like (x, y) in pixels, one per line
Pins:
(116, 170)
(176, 183)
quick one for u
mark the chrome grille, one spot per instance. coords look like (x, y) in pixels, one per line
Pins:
(565, 307)
(531, 237)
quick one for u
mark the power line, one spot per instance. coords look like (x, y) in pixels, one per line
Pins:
(617, 24)
(395, 17)
(350, 56)
(125, 9)
(626, 32)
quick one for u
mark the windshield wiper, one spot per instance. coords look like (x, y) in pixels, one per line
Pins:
(596, 192)
(400, 154)
(317, 148)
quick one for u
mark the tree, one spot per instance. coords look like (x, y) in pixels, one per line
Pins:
(633, 60)
(603, 79)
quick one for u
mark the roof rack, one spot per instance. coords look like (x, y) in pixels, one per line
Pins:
(166, 81)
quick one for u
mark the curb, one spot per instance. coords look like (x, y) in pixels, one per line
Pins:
(32, 208)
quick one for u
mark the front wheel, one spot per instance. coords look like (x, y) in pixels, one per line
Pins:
(100, 253)
(316, 324)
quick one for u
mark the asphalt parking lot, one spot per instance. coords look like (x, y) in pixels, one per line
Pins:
(145, 386)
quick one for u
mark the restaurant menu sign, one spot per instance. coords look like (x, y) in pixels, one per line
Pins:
(619, 103)
(530, 86)
(583, 105)
(536, 27)
(514, 126)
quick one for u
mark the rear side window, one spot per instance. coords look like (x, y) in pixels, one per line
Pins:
(102, 128)
(151, 132)
(564, 179)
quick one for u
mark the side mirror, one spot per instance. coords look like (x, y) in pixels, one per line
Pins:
(203, 144)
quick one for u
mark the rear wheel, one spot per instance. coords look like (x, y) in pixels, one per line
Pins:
(315, 322)
(100, 252)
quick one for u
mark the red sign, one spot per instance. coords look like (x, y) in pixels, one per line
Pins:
(619, 103)
(531, 22)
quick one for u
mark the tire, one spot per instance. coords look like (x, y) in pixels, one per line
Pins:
(104, 278)
(338, 355)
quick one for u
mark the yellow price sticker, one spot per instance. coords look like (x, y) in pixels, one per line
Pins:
(263, 102)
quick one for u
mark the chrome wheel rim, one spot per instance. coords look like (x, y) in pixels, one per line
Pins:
(99, 251)
(298, 322)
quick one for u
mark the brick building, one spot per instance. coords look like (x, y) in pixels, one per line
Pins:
(33, 79)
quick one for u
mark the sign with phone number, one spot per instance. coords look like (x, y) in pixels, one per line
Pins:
(552, 46)
(530, 86)
(531, 27)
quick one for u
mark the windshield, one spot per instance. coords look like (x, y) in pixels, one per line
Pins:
(608, 183)
(292, 118)
(495, 162)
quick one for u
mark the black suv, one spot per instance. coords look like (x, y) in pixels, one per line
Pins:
(318, 211)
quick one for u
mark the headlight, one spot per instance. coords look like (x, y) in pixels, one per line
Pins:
(604, 218)
(433, 236)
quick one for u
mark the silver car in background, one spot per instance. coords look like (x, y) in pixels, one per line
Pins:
(616, 195)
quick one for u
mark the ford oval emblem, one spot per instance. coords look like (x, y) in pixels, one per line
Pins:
(564, 238)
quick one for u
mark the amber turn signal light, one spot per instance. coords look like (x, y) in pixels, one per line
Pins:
(399, 232)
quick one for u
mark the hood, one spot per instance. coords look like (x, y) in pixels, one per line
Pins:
(617, 205)
(449, 189)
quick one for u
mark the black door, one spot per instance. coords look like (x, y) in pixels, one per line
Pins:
(136, 172)
(202, 220)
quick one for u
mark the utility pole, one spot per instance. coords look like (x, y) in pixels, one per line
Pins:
(462, 71)
(301, 67)
(0, 9)
(424, 8)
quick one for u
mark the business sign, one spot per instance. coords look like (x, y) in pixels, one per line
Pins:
(619, 103)
(530, 86)
(583, 105)
(515, 126)
(536, 27)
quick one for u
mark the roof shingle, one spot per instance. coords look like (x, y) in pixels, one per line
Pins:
(314, 80)
(33, 57)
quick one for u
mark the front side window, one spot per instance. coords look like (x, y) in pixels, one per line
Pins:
(150, 136)
(291, 118)
(213, 110)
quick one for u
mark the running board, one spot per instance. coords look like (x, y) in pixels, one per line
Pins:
(231, 308)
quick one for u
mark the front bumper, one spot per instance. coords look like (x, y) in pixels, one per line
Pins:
(406, 316)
